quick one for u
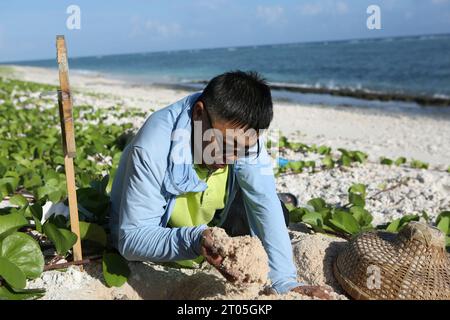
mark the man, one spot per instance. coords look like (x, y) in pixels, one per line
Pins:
(201, 161)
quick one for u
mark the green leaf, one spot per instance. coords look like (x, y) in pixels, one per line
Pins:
(12, 274)
(408, 218)
(55, 196)
(52, 182)
(361, 215)
(398, 224)
(386, 161)
(346, 160)
(283, 142)
(344, 152)
(93, 201)
(345, 222)
(323, 150)
(190, 264)
(400, 161)
(357, 195)
(443, 222)
(8, 185)
(22, 250)
(11, 222)
(297, 214)
(36, 212)
(360, 156)
(115, 269)
(356, 200)
(314, 219)
(448, 169)
(393, 226)
(100, 186)
(59, 221)
(325, 213)
(311, 164)
(34, 181)
(296, 166)
(93, 232)
(328, 229)
(18, 200)
(317, 203)
(419, 164)
(41, 192)
(7, 293)
(63, 239)
(295, 146)
(289, 206)
(425, 216)
(328, 162)
(358, 188)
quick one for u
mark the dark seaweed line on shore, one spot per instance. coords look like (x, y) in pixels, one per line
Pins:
(421, 100)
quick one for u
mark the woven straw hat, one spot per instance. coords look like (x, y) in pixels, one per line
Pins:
(412, 264)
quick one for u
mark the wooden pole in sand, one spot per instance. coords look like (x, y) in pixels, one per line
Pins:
(68, 139)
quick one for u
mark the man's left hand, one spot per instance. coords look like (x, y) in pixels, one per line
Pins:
(314, 291)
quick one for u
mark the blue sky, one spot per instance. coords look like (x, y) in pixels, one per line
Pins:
(28, 28)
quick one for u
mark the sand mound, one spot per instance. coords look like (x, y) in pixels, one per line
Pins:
(244, 257)
(312, 254)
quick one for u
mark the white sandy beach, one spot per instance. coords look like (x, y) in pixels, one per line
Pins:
(376, 132)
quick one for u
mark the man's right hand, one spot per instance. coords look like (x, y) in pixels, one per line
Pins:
(213, 257)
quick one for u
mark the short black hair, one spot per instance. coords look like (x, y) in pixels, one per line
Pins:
(240, 97)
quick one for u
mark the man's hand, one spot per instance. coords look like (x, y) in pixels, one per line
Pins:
(314, 291)
(213, 257)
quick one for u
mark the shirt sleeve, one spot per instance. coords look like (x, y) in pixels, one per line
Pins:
(141, 236)
(256, 179)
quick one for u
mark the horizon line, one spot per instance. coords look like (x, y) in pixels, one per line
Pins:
(230, 46)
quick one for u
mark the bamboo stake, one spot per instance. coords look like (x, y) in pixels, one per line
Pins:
(68, 139)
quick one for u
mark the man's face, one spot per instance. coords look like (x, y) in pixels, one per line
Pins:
(217, 142)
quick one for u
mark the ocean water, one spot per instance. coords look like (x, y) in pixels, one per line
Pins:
(395, 68)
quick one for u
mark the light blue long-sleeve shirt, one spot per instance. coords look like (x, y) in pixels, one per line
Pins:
(157, 165)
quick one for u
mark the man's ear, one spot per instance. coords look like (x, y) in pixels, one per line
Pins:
(197, 110)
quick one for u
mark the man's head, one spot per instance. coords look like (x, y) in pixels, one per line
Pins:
(230, 113)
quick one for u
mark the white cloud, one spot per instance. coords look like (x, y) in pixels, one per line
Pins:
(163, 30)
(341, 7)
(270, 14)
(154, 28)
(311, 9)
(330, 6)
(210, 4)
